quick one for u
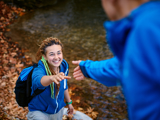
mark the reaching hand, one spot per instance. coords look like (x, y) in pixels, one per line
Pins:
(59, 77)
(77, 74)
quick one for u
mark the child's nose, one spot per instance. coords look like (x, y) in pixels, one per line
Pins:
(56, 56)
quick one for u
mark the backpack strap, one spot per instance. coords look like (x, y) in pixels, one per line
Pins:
(29, 84)
(36, 92)
(29, 81)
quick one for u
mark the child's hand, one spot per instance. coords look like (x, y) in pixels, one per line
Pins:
(70, 109)
(59, 77)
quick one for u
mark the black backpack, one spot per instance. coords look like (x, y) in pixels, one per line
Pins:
(23, 87)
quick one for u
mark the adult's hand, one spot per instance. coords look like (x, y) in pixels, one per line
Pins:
(77, 73)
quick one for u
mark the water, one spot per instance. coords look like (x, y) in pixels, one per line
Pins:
(79, 25)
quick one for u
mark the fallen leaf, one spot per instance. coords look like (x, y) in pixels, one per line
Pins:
(13, 60)
(8, 30)
(13, 54)
(21, 13)
(78, 101)
(80, 109)
(3, 84)
(89, 110)
(19, 65)
(94, 114)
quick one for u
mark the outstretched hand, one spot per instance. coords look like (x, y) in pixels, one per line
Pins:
(77, 73)
(59, 77)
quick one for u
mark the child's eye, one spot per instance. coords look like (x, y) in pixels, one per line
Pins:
(51, 54)
(59, 53)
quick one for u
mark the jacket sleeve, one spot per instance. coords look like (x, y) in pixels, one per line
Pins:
(38, 73)
(106, 72)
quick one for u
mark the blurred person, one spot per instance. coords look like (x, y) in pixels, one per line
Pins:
(134, 38)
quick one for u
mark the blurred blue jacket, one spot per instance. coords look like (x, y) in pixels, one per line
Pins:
(135, 43)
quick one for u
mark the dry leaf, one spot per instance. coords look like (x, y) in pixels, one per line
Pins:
(21, 13)
(70, 92)
(7, 29)
(78, 101)
(13, 54)
(9, 74)
(13, 69)
(94, 114)
(3, 84)
(89, 110)
(19, 65)
(64, 117)
(13, 60)
(80, 109)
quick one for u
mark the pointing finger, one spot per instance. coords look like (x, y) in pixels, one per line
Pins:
(67, 77)
(76, 62)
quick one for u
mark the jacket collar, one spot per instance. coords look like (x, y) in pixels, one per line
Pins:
(63, 67)
(116, 35)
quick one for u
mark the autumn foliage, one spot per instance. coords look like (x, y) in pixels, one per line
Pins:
(12, 61)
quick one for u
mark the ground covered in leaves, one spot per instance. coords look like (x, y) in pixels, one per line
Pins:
(107, 103)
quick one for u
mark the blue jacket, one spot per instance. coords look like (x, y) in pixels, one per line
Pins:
(43, 102)
(135, 43)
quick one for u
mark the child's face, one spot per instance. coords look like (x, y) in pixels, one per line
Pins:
(54, 55)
